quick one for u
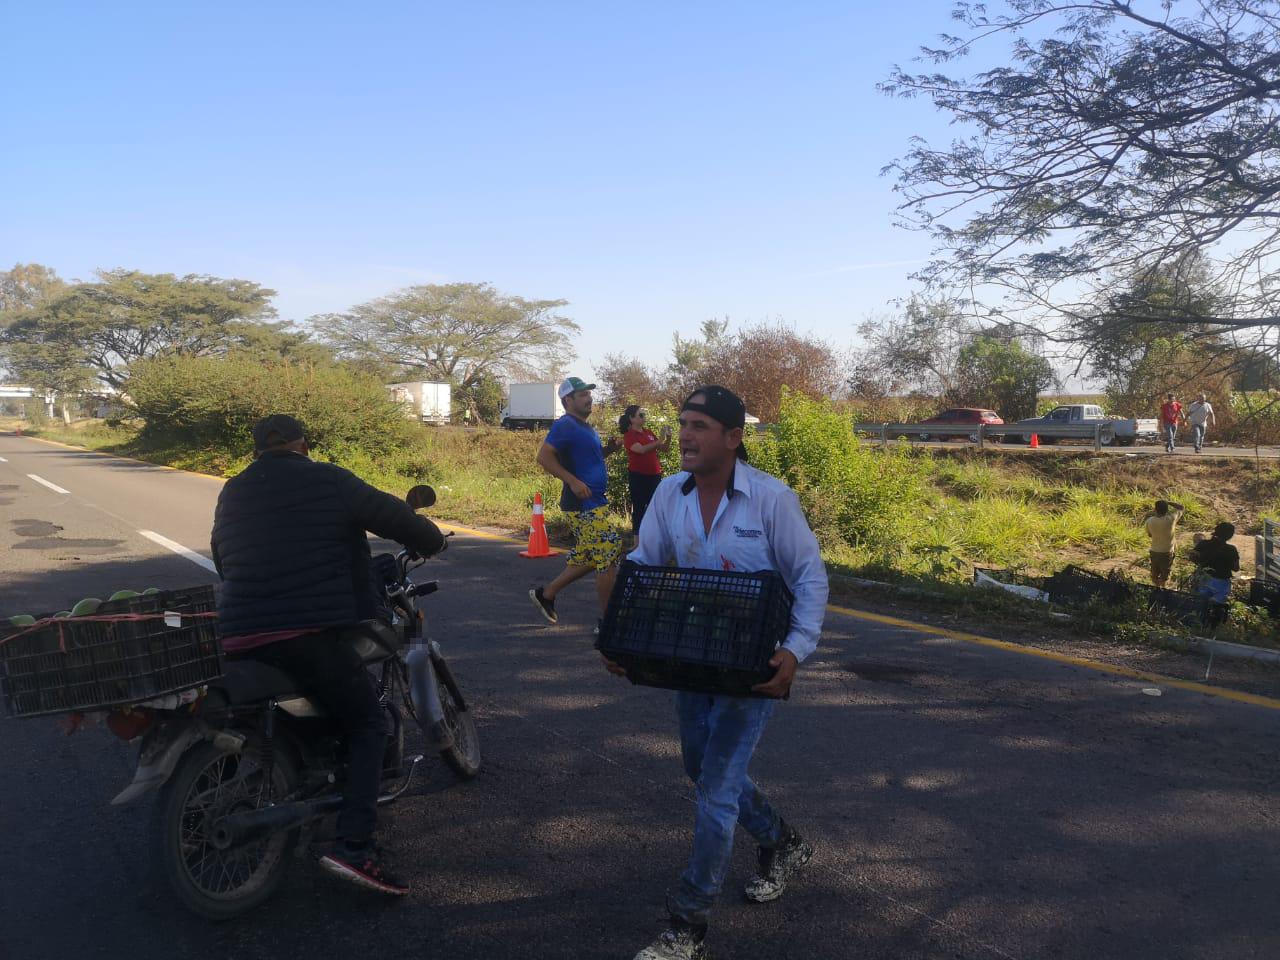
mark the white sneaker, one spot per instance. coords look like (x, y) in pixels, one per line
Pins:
(777, 866)
(678, 942)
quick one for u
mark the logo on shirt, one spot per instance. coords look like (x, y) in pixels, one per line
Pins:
(747, 534)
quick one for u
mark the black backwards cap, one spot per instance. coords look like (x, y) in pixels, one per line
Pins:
(722, 405)
(276, 431)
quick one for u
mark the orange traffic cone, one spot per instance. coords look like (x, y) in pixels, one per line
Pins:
(538, 545)
(1035, 441)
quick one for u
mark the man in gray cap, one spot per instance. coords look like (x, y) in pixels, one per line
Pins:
(573, 454)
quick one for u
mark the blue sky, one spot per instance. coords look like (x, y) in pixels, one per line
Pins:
(655, 165)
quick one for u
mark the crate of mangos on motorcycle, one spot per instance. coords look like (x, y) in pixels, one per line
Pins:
(126, 650)
(709, 631)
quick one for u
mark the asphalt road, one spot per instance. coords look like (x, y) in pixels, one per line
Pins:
(966, 802)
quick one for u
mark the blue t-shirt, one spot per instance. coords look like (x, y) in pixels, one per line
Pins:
(578, 446)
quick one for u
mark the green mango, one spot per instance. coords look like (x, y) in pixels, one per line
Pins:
(123, 595)
(62, 614)
(86, 607)
(150, 590)
(22, 620)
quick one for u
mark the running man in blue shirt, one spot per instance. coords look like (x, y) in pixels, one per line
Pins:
(574, 455)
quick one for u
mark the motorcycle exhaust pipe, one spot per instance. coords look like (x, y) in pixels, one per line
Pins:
(241, 828)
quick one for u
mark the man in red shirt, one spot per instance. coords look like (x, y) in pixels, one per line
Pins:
(1170, 415)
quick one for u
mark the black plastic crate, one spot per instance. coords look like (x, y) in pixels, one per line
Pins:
(1189, 609)
(1265, 594)
(89, 664)
(1075, 585)
(702, 630)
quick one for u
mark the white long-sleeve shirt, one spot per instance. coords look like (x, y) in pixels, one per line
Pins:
(758, 526)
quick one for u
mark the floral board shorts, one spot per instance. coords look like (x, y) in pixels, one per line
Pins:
(596, 542)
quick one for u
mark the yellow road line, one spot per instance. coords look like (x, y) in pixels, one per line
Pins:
(1156, 678)
(473, 532)
(1128, 672)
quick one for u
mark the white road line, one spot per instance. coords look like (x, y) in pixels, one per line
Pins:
(45, 483)
(180, 550)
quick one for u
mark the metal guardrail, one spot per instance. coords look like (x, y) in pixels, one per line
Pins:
(1102, 434)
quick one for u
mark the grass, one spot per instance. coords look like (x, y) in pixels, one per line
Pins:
(1017, 511)
(1033, 514)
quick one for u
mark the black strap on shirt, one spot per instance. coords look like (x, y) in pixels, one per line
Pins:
(687, 487)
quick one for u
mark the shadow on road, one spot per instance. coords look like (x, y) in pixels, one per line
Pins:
(966, 803)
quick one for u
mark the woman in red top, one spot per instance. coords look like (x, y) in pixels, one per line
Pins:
(642, 453)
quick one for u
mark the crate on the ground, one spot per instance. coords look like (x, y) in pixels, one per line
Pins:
(168, 644)
(710, 631)
(1074, 584)
(1265, 594)
(1189, 609)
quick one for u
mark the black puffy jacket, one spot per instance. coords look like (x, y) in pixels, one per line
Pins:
(289, 543)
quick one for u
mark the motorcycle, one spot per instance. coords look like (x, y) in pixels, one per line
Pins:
(248, 769)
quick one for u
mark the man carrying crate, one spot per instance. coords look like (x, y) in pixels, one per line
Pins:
(723, 514)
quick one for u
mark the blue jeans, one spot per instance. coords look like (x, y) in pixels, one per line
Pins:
(718, 735)
(1170, 435)
(1197, 435)
(1216, 590)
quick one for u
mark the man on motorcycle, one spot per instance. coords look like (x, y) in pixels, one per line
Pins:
(289, 542)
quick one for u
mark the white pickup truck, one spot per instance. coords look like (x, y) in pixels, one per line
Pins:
(1125, 431)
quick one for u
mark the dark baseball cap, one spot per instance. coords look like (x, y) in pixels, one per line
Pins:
(275, 431)
(722, 404)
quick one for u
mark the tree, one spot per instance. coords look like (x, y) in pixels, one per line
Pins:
(1002, 375)
(1127, 355)
(628, 380)
(482, 401)
(763, 359)
(128, 316)
(269, 342)
(1112, 143)
(689, 357)
(917, 351)
(47, 355)
(458, 333)
(25, 286)
(21, 290)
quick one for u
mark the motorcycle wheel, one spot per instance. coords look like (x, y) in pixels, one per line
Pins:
(208, 784)
(463, 757)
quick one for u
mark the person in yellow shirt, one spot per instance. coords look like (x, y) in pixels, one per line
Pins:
(1160, 528)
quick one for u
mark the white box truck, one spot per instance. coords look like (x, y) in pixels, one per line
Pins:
(424, 400)
(531, 406)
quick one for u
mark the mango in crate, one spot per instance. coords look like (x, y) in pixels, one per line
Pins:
(86, 607)
(150, 591)
(123, 595)
(22, 620)
(62, 614)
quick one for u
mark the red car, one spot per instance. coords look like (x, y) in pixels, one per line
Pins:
(962, 416)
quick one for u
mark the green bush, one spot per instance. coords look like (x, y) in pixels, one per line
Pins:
(853, 495)
(212, 403)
